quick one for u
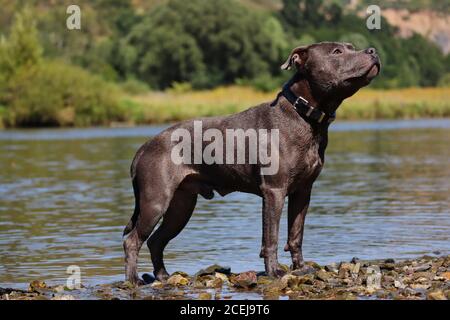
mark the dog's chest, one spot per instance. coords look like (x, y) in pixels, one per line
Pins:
(307, 166)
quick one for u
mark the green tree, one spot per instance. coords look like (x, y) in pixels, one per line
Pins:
(172, 44)
(22, 47)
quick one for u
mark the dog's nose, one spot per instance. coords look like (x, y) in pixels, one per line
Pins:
(371, 51)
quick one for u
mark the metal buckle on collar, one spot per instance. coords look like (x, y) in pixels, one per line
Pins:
(310, 110)
(304, 101)
(321, 118)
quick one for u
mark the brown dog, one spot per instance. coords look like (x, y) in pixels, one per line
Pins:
(326, 74)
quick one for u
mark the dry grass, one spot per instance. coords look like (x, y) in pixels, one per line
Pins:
(159, 107)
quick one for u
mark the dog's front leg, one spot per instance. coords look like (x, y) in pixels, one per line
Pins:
(273, 200)
(297, 208)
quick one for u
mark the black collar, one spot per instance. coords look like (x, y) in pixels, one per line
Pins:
(302, 106)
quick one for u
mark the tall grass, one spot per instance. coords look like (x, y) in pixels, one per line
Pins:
(159, 107)
(93, 104)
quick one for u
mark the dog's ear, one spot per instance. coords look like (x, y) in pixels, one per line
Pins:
(297, 57)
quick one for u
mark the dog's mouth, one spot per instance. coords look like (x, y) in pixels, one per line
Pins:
(373, 71)
(369, 74)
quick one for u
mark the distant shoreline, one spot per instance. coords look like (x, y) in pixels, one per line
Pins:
(156, 107)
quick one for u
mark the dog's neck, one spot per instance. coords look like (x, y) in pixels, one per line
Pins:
(302, 88)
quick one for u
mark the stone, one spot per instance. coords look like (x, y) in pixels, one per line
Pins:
(332, 268)
(436, 295)
(37, 286)
(245, 280)
(419, 286)
(213, 269)
(221, 276)
(306, 269)
(313, 264)
(344, 269)
(157, 284)
(63, 297)
(446, 276)
(387, 266)
(356, 267)
(322, 275)
(422, 267)
(204, 296)
(177, 280)
(355, 260)
(399, 284)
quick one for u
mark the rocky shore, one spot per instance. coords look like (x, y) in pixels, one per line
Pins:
(423, 278)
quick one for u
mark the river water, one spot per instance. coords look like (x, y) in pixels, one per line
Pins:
(65, 196)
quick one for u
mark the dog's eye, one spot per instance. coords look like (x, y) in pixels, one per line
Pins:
(337, 51)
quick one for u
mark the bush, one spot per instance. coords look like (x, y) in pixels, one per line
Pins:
(56, 94)
(444, 81)
(134, 86)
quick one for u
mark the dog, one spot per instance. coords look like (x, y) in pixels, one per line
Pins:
(326, 74)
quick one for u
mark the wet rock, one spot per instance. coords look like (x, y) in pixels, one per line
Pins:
(356, 268)
(313, 264)
(305, 269)
(389, 260)
(332, 268)
(181, 273)
(264, 280)
(355, 260)
(345, 269)
(10, 291)
(306, 279)
(216, 283)
(323, 275)
(244, 280)
(446, 276)
(157, 284)
(213, 269)
(423, 276)
(123, 285)
(284, 267)
(436, 295)
(58, 289)
(221, 276)
(422, 267)
(274, 287)
(177, 280)
(399, 284)
(63, 297)
(37, 286)
(387, 266)
(204, 296)
(420, 286)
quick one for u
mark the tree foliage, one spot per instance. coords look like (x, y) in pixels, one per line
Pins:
(203, 42)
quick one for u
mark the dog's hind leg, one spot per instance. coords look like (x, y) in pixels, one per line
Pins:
(175, 219)
(154, 189)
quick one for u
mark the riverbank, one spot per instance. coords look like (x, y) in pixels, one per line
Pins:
(368, 104)
(155, 107)
(416, 279)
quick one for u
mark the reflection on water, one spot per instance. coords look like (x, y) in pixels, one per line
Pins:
(65, 196)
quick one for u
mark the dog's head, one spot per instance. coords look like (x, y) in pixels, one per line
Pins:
(334, 69)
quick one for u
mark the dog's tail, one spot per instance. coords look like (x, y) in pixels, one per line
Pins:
(134, 217)
(132, 223)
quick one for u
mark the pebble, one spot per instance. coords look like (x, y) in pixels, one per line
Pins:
(423, 278)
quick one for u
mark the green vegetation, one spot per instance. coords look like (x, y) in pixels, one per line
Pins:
(51, 76)
(38, 92)
(370, 104)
